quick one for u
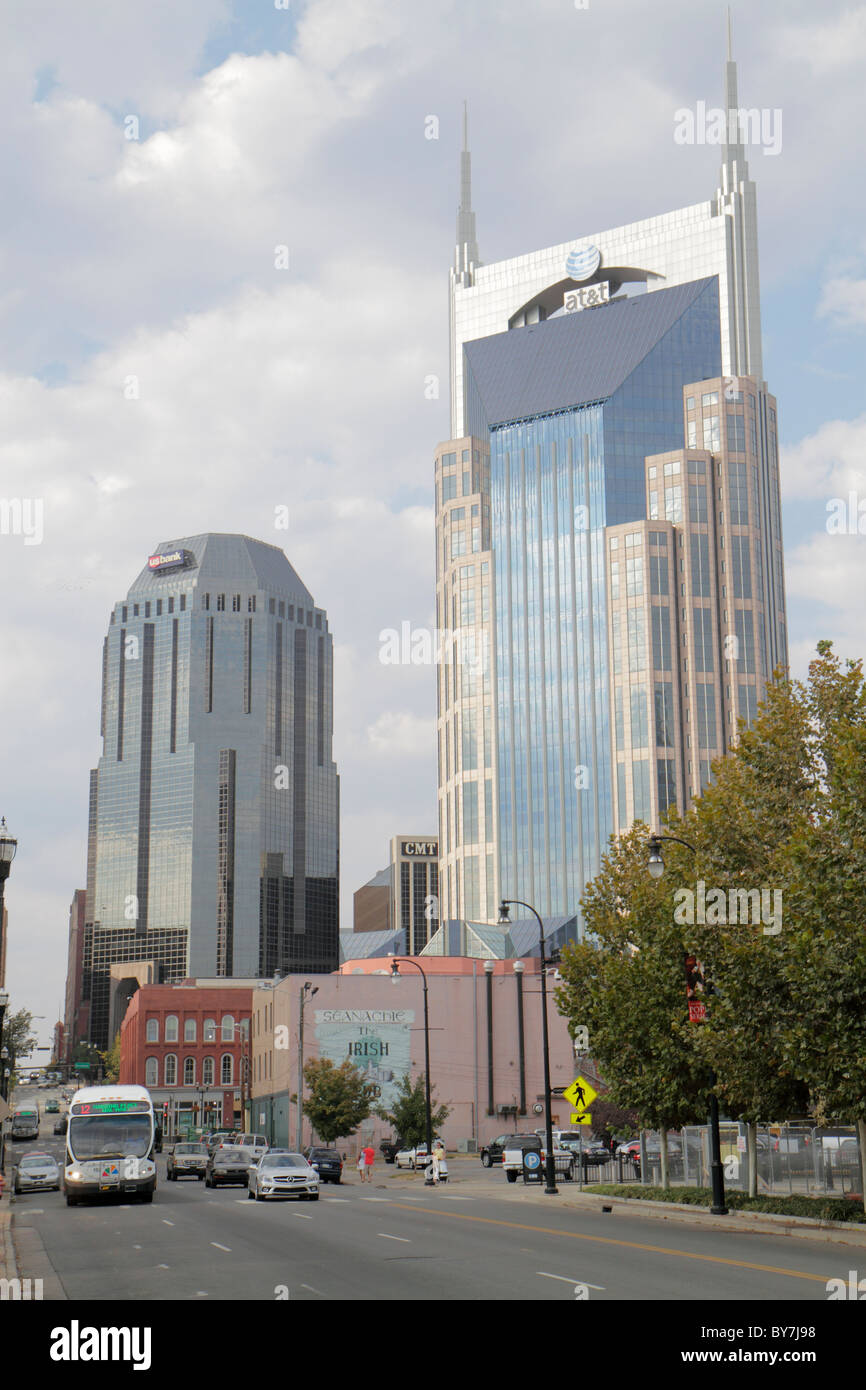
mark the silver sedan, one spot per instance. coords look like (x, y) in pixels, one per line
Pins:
(37, 1172)
(283, 1175)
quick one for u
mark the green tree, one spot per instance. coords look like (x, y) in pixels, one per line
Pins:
(18, 1037)
(339, 1098)
(408, 1113)
(111, 1060)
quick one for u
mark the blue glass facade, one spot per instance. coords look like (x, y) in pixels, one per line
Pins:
(214, 809)
(557, 478)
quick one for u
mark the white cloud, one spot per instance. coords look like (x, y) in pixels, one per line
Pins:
(845, 301)
(829, 463)
(401, 735)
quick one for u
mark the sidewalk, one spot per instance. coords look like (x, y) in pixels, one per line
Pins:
(8, 1267)
(569, 1195)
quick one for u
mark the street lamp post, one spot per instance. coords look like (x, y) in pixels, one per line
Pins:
(656, 866)
(550, 1167)
(395, 975)
(306, 988)
(8, 846)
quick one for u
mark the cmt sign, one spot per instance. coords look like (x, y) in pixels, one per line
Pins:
(427, 849)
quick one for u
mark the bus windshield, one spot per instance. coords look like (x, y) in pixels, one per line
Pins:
(96, 1136)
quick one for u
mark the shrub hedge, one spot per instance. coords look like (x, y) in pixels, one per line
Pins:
(817, 1208)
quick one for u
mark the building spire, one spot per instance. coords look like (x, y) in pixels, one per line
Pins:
(466, 255)
(734, 164)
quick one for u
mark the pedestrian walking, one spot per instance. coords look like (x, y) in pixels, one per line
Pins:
(369, 1159)
(362, 1165)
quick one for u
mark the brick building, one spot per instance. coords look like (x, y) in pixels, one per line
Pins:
(188, 1043)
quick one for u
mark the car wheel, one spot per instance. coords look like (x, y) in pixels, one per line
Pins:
(71, 1201)
(259, 1197)
(486, 1160)
(147, 1196)
(512, 1177)
(314, 1196)
(250, 1193)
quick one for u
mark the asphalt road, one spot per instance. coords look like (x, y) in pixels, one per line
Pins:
(475, 1238)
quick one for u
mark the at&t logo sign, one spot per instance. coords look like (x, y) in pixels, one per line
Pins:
(583, 262)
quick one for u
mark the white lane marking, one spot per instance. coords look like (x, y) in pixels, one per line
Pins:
(312, 1290)
(217, 1245)
(329, 1199)
(541, 1274)
(375, 1199)
(126, 1208)
(167, 1223)
(163, 1266)
(302, 1216)
(449, 1197)
(201, 1293)
(35, 1211)
(385, 1236)
(136, 1247)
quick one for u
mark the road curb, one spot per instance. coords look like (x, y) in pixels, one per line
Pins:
(765, 1223)
(8, 1267)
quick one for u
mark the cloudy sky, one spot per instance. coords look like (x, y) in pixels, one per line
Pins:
(154, 158)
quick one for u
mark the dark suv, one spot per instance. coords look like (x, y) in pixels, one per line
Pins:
(327, 1163)
(390, 1148)
(491, 1152)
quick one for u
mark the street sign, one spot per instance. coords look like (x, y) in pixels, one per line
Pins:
(580, 1093)
(584, 1118)
(82, 1066)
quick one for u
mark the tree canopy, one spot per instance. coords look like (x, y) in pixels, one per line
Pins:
(339, 1098)
(771, 903)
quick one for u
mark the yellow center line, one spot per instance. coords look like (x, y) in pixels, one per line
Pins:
(610, 1240)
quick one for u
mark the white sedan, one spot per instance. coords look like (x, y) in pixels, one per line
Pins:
(279, 1174)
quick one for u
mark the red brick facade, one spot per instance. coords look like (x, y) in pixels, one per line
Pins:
(178, 1039)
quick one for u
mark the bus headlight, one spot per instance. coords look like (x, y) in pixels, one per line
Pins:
(74, 1175)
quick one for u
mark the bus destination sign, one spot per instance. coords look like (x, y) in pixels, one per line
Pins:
(111, 1107)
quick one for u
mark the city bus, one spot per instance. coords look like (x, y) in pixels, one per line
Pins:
(109, 1144)
(25, 1121)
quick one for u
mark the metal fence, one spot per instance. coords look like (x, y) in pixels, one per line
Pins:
(791, 1159)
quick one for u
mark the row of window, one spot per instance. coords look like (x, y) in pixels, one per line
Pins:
(208, 1071)
(136, 608)
(227, 1029)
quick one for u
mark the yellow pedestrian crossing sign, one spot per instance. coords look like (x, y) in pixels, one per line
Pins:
(581, 1094)
(584, 1118)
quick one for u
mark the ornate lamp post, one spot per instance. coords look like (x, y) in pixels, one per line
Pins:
(550, 1168)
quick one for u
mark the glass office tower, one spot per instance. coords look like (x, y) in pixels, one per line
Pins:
(571, 408)
(213, 843)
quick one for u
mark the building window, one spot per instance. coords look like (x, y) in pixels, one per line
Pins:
(152, 1032)
(151, 1072)
(189, 1071)
(710, 398)
(207, 1071)
(171, 1070)
(228, 1027)
(221, 603)
(183, 603)
(171, 1028)
(226, 1069)
(209, 1026)
(712, 436)
(189, 1030)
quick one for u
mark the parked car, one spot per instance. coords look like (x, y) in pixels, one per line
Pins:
(228, 1164)
(61, 1125)
(187, 1161)
(36, 1172)
(491, 1152)
(390, 1148)
(519, 1144)
(416, 1157)
(327, 1163)
(278, 1174)
(591, 1152)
